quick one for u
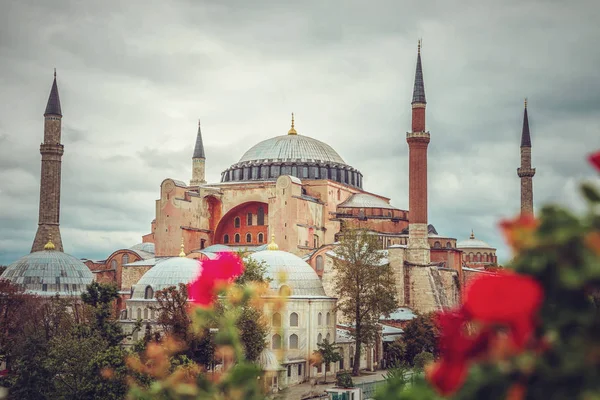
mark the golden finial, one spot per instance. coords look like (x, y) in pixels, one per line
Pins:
(472, 235)
(419, 46)
(272, 245)
(292, 131)
(49, 245)
(525, 102)
(182, 252)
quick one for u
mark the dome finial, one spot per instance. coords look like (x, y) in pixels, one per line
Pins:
(292, 131)
(49, 245)
(525, 102)
(472, 234)
(182, 252)
(419, 46)
(272, 245)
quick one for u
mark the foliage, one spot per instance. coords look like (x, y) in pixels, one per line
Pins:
(253, 331)
(539, 340)
(394, 352)
(362, 279)
(327, 353)
(344, 380)
(422, 359)
(100, 297)
(254, 271)
(420, 334)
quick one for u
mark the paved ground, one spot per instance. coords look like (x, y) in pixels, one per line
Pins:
(296, 392)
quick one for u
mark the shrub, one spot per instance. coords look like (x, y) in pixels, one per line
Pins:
(344, 380)
(422, 359)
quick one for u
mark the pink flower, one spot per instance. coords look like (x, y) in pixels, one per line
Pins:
(594, 159)
(214, 275)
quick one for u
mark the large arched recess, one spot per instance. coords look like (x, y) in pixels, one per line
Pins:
(248, 227)
(214, 207)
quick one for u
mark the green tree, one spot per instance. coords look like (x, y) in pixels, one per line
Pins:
(395, 352)
(365, 286)
(253, 331)
(421, 360)
(100, 298)
(254, 271)
(420, 334)
(328, 353)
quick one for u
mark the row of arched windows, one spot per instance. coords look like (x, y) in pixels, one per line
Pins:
(276, 319)
(237, 238)
(438, 245)
(485, 257)
(293, 340)
(260, 218)
(146, 313)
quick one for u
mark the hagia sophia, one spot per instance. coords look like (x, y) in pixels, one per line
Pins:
(286, 202)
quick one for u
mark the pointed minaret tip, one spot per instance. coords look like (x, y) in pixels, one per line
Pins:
(525, 135)
(199, 148)
(472, 234)
(419, 88)
(53, 105)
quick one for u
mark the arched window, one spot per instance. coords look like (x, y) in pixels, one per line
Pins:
(320, 320)
(293, 341)
(139, 313)
(328, 319)
(261, 237)
(236, 222)
(315, 241)
(448, 245)
(319, 338)
(437, 245)
(236, 238)
(260, 216)
(293, 319)
(319, 263)
(328, 337)
(471, 257)
(145, 313)
(149, 293)
(478, 257)
(113, 264)
(152, 314)
(276, 342)
(248, 238)
(125, 259)
(124, 314)
(276, 320)
(249, 219)
(285, 291)
(226, 239)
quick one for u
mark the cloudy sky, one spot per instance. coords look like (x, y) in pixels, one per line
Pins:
(135, 76)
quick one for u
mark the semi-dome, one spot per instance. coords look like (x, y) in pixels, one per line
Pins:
(473, 243)
(295, 155)
(301, 279)
(366, 200)
(48, 272)
(167, 272)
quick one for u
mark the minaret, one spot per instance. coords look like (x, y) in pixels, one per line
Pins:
(418, 140)
(198, 161)
(52, 151)
(526, 173)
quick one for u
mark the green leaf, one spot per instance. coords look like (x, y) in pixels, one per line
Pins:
(590, 193)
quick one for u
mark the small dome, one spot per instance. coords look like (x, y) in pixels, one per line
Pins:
(268, 361)
(299, 276)
(48, 272)
(366, 200)
(167, 272)
(217, 248)
(473, 243)
(147, 247)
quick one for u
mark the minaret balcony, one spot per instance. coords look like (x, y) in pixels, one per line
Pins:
(57, 149)
(418, 137)
(525, 172)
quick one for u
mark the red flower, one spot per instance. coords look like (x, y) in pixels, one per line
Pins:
(594, 159)
(215, 273)
(505, 298)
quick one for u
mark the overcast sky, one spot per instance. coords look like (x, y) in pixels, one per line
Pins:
(135, 76)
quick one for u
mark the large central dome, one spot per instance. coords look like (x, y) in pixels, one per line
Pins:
(295, 155)
(292, 148)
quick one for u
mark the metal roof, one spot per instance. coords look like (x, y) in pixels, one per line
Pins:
(292, 148)
(419, 89)
(53, 106)
(365, 200)
(525, 136)
(169, 272)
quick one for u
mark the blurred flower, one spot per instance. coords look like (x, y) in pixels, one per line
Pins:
(594, 159)
(505, 298)
(592, 241)
(519, 232)
(516, 392)
(215, 273)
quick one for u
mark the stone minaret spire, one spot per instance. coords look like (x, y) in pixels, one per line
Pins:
(418, 140)
(52, 151)
(526, 173)
(198, 161)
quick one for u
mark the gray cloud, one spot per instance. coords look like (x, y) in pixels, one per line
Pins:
(135, 76)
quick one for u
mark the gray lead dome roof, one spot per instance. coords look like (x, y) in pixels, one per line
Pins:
(48, 272)
(167, 272)
(292, 148)
(299, 276)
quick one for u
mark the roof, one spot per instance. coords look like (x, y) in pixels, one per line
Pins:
(419, 89)
(366, 200)
(400, 314)
(292, 148)
(199, 148)
(287, 269)
(48, 272)
(473, 243)
(268, 361)
(430, 231)
(525, 136)
(168, 272)
(53, 106)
